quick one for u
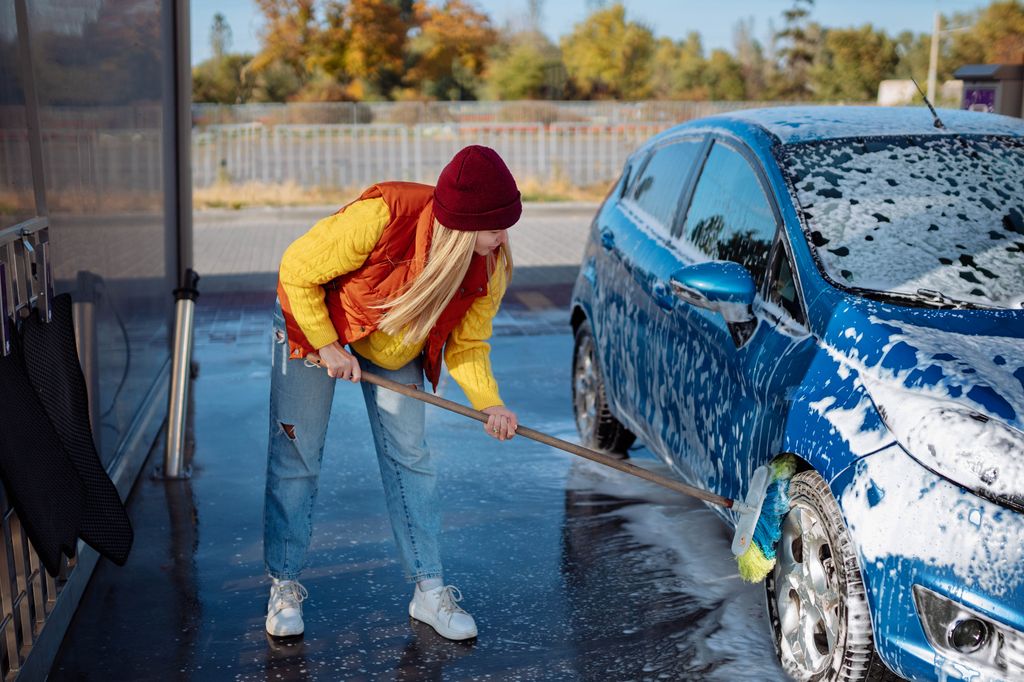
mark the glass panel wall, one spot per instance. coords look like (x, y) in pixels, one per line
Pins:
(98, 67)
(17, 202)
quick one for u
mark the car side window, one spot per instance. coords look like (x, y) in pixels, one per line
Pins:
(730, 217)
(660, 184)
(782, 286)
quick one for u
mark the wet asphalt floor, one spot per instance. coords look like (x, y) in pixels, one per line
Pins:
(572, 571)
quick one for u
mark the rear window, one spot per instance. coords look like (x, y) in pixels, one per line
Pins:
(916, 214)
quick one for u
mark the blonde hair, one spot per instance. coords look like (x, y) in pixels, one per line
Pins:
(416, 310)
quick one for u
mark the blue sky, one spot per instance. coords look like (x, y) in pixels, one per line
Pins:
(672, 18)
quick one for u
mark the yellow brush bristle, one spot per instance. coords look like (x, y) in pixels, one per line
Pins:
(754, 566)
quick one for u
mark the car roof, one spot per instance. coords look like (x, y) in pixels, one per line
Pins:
(790, 125)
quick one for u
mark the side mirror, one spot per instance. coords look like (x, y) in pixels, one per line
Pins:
(722, 286)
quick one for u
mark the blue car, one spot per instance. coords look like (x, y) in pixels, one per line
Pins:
(845, 285)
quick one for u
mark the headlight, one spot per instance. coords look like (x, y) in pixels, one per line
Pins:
(970, 449)
(969, 638)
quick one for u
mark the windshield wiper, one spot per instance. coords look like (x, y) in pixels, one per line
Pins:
(939, 297)
(929, 296)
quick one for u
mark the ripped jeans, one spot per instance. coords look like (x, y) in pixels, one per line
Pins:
(300, 407)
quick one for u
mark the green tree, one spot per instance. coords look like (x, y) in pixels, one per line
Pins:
(522, 67)
(678, 69)
(276, 82)
(798, 45)
(852, 62)
(220, 36)
(221, 80)
(913, 50)
(723, 77)
(606, 56)
(664, 60)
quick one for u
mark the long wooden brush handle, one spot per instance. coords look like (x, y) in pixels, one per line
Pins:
(572, 448)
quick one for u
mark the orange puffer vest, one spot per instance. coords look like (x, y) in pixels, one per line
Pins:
(399, 256)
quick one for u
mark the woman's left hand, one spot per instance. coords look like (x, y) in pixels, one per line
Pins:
(501, 422)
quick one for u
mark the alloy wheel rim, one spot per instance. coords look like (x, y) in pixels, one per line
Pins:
(807, 594)
(585, 388)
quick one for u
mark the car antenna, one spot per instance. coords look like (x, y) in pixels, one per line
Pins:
(937, 121)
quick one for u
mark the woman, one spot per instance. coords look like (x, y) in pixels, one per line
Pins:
(401, 273)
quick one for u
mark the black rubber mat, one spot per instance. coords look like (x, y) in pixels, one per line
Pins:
(53, 368)
(41, 483)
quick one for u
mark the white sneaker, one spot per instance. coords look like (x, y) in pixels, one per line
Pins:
(439, 609)
(284, 610)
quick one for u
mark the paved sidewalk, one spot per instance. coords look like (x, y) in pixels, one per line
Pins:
(547, 242)
(237, 254)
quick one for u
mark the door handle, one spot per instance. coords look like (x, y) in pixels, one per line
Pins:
(607, 239)
(663, 296)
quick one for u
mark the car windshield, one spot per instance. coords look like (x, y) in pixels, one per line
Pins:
(930, 217)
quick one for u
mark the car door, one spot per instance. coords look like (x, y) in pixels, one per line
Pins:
(635, 237)
(705, 399)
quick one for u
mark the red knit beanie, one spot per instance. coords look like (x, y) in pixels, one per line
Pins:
(476, 191)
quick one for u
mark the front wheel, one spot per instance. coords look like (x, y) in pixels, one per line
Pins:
(816, 600)
(598, 428)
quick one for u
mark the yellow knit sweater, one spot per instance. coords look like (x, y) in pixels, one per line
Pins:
(341, 243)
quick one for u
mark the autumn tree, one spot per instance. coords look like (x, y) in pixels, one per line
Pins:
(996, 35)
(449, 54)
(294, 60)
(375, 45)
(852, 62)
(608, 57)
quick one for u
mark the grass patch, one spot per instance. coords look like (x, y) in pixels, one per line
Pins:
(560, 189)
(225, 195)
(83, 202)
(269, 194)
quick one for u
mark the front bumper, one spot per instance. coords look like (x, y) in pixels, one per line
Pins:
(912, 527)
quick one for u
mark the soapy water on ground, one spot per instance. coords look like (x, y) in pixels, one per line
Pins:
(685, 549)
(573, 572)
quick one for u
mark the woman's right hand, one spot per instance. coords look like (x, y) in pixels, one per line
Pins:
(340, 363)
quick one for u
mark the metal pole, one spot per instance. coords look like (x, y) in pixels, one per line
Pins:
(572, 448)
(83, 314)
(933, 59)
(181, 364)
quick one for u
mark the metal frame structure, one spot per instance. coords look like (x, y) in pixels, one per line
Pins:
(35, 609)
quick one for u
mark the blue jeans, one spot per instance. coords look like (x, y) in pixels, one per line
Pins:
(300, 407)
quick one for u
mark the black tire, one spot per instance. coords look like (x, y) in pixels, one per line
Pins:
(814, 520)
(597, 427)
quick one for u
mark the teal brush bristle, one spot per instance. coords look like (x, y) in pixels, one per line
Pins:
(757, 562)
